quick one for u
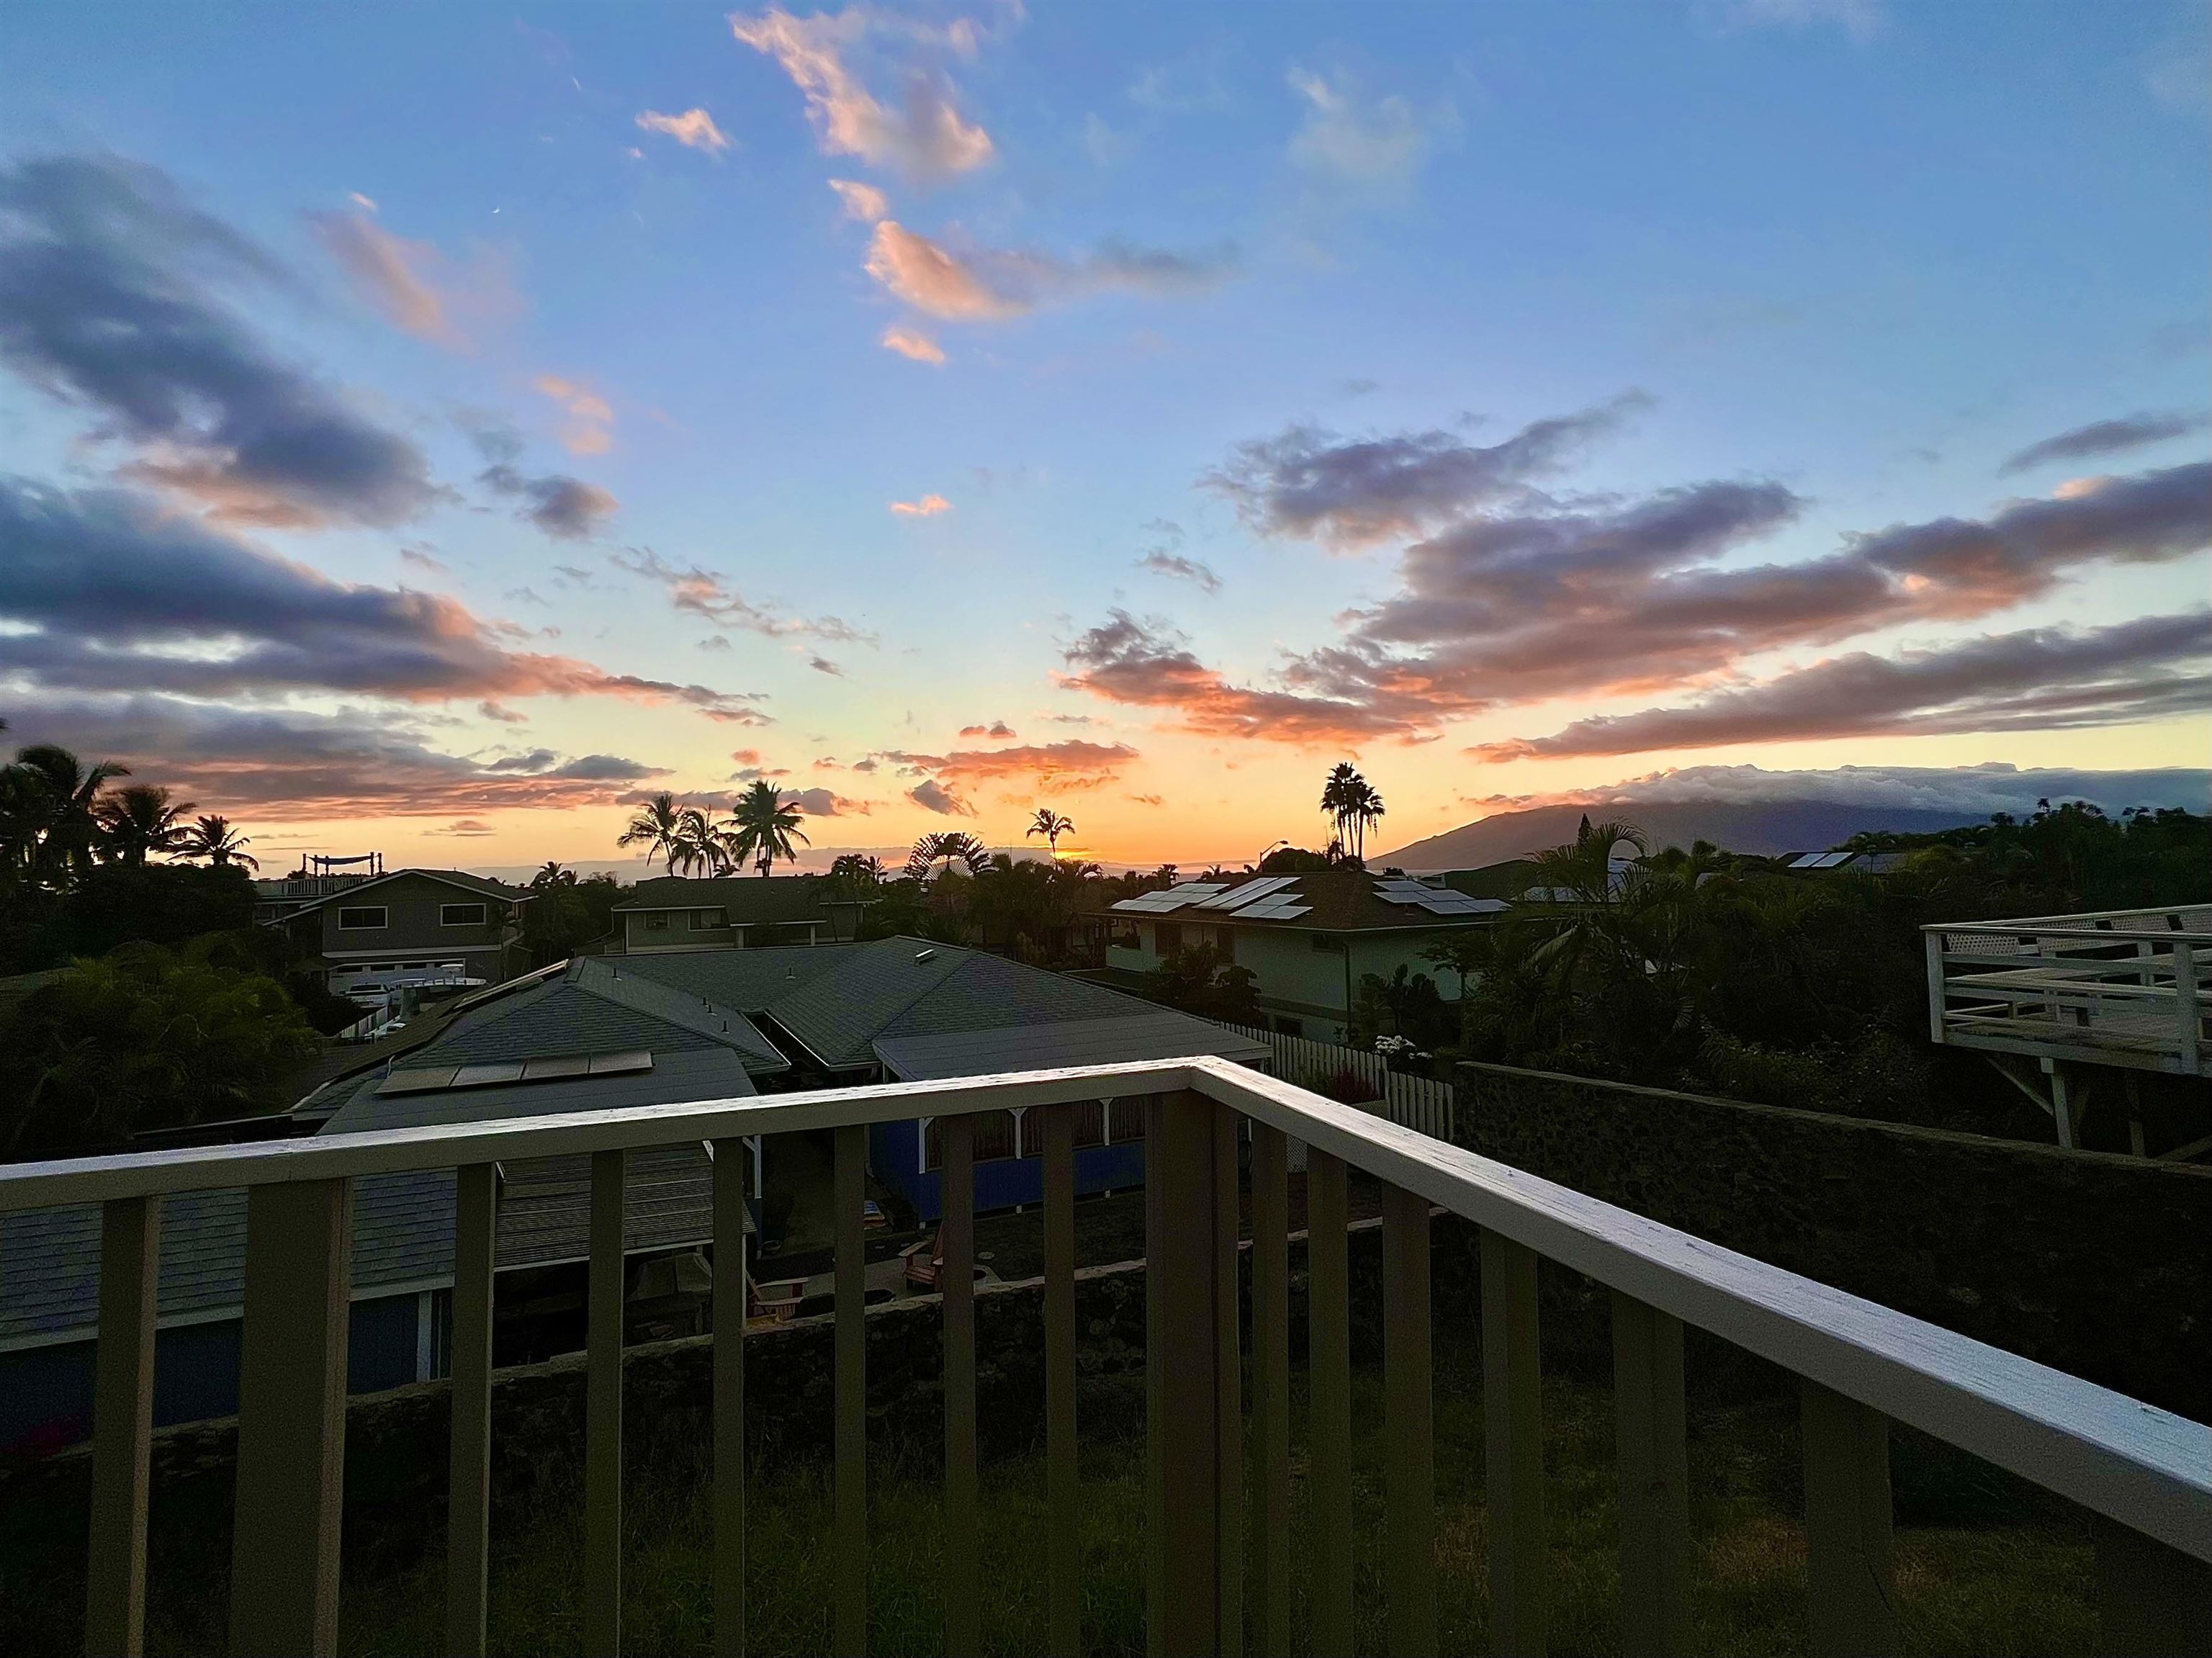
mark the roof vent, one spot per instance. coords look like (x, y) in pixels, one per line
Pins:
(924, 955)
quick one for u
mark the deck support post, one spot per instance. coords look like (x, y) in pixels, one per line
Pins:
(1848, 1579)
(1513, 1449)
(1651, 1422)
(732, 1162)
(964, 1621)
(603, 1410)
(468, 1451)
(291, 1419)
(1195, 1449)
(1409, 1480)
(1329, 1405)
(849, 1188)
(122, 1426)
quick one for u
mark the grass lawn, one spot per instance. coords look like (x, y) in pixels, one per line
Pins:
(1996, 1573)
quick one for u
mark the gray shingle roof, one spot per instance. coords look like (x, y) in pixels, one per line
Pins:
(838, 998)
(403, 1224)
(705, 1074)
(482, 884)
(1161, 1034)
(597, 1005)
(746, 899)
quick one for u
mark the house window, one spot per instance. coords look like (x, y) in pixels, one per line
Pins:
(461, 915)
(656, 921)
(1167, 937)
(1327, 945)
(708, 921)
(1224, 940)
(361, 918)
(1287, 1027)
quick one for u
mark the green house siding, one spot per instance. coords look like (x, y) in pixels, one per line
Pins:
(1294, 977)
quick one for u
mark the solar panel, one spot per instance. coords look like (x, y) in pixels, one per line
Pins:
(1248, 892)
(1286, 911)
(616, 1064)
(1809, 860)
(418, 1081)
(1189, 894)
(484, 1076)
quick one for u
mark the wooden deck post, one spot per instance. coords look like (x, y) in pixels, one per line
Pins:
(732, 1165)
(291, 1419)
(1513, 1450)
(1063, 1525)
(1329, 1405)
(2189, 1017)
(1272, 1566)
(1651, 1426)
(1409, 1497)
(603, 1410)
(1933, 944)
(122, 1427)
(963, 1620)
(1192, 1448)
(1848, 1579)
(849, 1188)
(468, 1487)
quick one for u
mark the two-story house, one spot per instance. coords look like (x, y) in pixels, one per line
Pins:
(735, 911)
(1309, 941)
(413, 927)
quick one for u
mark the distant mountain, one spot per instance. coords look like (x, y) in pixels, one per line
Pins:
(1764, 827)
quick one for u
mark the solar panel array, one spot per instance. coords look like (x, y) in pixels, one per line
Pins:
(439, 1078)
(1822, 860)
(1245, 892)
(1276, 907)
(1437, 900)
(1159, 903)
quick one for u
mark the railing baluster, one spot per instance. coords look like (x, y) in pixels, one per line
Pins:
(1409, 1424)
(2152, 1601)
(468, 1500)
(291, 1418)
(122, 1425)
(1229, 1382)
(1650, 1424)
(1513, 1449)
(1271, 1389)
(1847, 1528)
(849, 1188)
(1192, 1445)
(733, 1165)
(963, 1620)
(1063, 1533)
(1329, 1405)
(602, 1411)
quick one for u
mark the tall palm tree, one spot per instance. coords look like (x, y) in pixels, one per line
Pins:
(762, 825)
(1364, 808)
(211, 836)
(552, 874)
(1336, 798)
(701, 848)
(1051, 825)
(67, 828)
(139, 818)
(948, 847)
(658, 826)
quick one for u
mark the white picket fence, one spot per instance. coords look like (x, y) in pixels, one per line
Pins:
(1420, 1102)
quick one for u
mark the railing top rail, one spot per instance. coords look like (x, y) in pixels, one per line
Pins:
(2070, 928)
(2079, 915)
(2148, 1468)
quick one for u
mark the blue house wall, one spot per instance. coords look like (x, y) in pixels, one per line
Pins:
(895, 1155)
(46, 1393)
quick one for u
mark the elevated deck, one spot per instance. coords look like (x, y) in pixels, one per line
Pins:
(2125, 989)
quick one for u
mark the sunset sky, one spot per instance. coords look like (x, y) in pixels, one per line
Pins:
(430, 429)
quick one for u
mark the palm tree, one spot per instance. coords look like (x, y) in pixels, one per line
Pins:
(139, 818)
(761, 826)
(700, 847)
(64, 790)
(1051, 825)
(1365, 807)
(1336, 797)
(552, 875)
(947, 846)
(211, 837)
(658, 826)
(857, 873)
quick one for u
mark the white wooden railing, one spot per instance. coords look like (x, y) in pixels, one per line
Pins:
(2130, 987)
(1422, 1102)
(2146, 1474)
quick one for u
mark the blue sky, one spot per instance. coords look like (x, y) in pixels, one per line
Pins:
(1458, 370)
